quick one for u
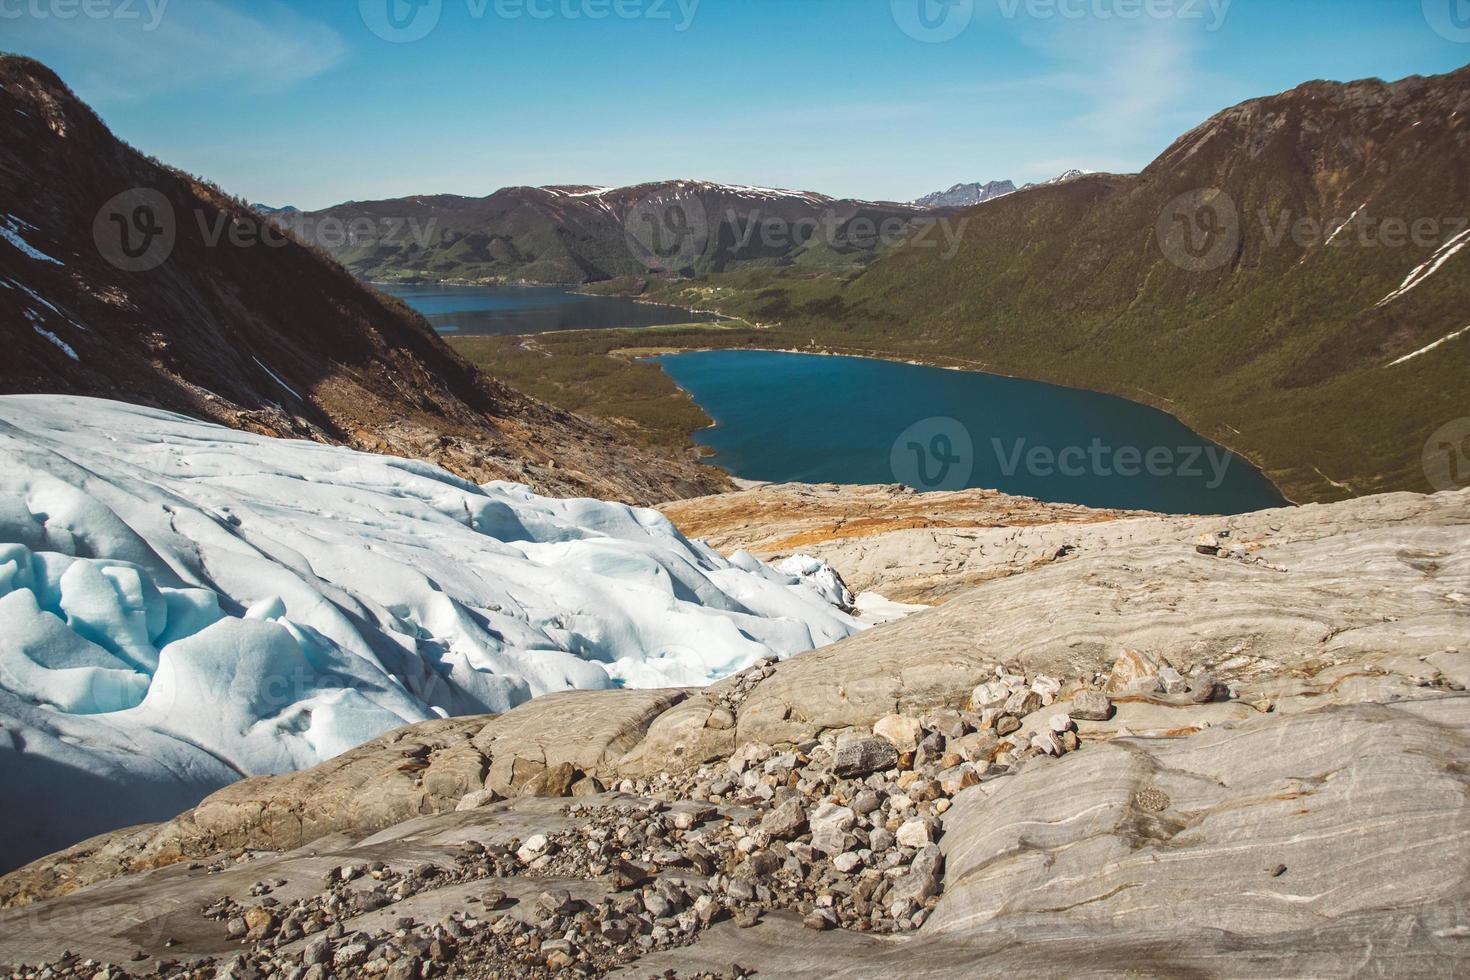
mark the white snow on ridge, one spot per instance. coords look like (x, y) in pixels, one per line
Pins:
(1436, 262)
(183, 604)
(10, 229)
(62, 345)
(277, 378)
(1429, 347)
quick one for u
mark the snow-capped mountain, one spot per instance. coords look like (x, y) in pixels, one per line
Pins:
(967, 195)
(1061, 178)
(184, 604)
(584, 233)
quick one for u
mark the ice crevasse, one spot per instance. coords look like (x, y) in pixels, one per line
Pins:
(183, 604)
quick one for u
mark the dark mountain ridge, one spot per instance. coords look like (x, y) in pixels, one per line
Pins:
(125, 279)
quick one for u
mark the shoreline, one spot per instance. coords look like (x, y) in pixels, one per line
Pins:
(945, 362)
(866, 354)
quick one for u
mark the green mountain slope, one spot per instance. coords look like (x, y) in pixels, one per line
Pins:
(1216, 284)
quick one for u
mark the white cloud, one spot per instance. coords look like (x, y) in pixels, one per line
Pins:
(174, 45)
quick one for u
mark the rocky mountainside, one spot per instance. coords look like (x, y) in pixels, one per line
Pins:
(575, 234)
(1208, 747)
(1291, 278)
(126, 279)
(967, 195)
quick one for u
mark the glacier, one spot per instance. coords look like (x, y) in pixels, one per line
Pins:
(183, 605)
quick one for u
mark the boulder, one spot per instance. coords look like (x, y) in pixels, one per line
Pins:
(859, 755)
(1091, 706)
(902, 731)
(1133, 670)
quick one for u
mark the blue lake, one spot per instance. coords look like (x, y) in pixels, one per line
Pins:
(816, 419)
(480, 310)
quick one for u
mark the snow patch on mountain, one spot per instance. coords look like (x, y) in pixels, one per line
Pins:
(967, 195)
(182, 605)
(11, 229)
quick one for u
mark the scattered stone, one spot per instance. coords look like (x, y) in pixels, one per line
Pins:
(1022, 703)
(533, 847)
(477, 799)
(1152, 799)
(1133, 670)
(1172, 681)
(916, 833)
(860, 755)
(903, 732)
(787, 821)
(553, 781)
(1091, 706)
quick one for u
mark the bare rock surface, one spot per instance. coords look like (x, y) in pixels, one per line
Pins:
(1141, 758)
(911, 547)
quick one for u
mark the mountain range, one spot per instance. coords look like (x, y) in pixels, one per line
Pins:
(580, 234)
(130, 280)
(967, 195)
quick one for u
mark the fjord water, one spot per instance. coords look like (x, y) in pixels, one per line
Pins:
(480, 310)
(818, 419)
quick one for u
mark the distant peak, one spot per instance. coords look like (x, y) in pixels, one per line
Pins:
(967, 195)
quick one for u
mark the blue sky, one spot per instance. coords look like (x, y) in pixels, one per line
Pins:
(304, 103)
